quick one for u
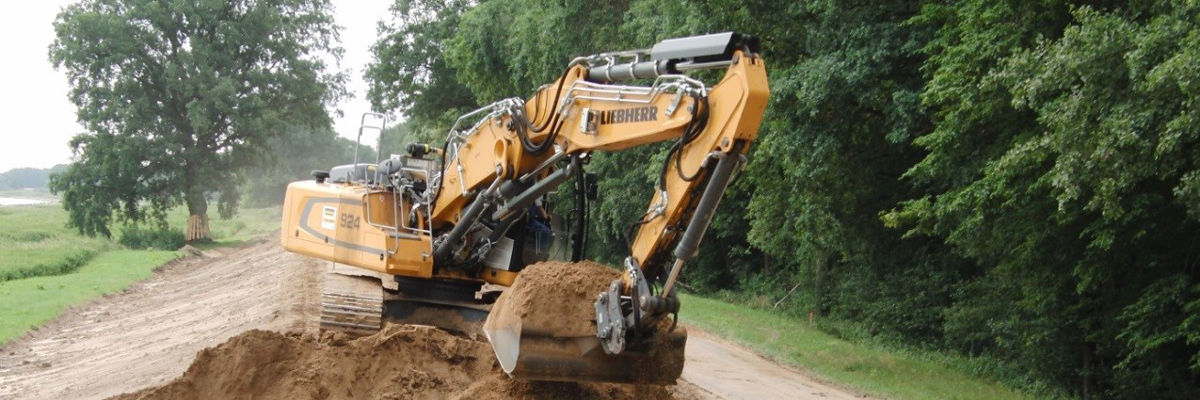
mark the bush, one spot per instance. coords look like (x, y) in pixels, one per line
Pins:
(143, 238)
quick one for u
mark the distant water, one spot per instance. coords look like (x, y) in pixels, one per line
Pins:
(12, 201)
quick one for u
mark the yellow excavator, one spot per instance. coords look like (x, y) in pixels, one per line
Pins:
(444, 229)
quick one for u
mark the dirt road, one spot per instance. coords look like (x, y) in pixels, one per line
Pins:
(727, 371)
(150, 334)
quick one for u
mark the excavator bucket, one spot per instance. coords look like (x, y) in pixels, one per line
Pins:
(543, 329)
(538, 356)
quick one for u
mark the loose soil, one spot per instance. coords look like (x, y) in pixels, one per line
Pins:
(399, 362)
(241, 323)
(555, 298)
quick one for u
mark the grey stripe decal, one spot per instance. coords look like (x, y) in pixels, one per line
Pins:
(308, 205)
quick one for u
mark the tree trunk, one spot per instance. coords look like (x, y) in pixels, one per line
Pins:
(819, 284)
(1088, 368)
(197, 228)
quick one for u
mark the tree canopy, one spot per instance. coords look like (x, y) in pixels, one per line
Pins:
(1064, 160)
(409, 71)
(1002, 179)
(179, 98)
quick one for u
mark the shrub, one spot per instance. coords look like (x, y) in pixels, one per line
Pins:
(145, 238)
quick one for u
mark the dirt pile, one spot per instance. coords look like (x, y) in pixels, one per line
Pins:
(399, 362)
(547, 292)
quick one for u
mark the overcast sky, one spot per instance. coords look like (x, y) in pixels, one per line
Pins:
(39, 120)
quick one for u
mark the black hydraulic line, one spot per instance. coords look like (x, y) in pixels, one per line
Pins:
(501, 229)
(587, 221)
(695, 127)
(693, 130)
(557, 91)
(523, 124)
(580, 216)
(538, 148)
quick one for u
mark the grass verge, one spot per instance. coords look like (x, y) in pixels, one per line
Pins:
(47, 267)
(863, 367)
(36, 242)
(28, 303)
(249, 225)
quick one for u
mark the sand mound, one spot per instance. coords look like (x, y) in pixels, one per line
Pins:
(547, 292)
(399, 362)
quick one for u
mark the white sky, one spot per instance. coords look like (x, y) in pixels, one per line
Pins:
(38, 120)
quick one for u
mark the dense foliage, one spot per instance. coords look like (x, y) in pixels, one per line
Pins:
(1064, 161)
(1007, 179)
(180, 99)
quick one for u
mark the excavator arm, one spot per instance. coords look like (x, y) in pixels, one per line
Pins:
(506, 158)
(437, 225)
(517, 151)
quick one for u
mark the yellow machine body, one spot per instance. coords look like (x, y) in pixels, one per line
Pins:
(498, 160)
(331, 221)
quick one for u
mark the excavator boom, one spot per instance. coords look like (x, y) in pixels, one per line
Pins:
(466, 216)
(713, 128)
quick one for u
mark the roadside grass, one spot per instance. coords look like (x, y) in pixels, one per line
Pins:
(248, 225)
(28, 303)
(47, 267)
(36, 242)
(864, 367)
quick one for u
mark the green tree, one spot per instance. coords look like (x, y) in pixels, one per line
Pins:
(845, 84)
(1008, 179)
(409, 73)
(1062, 163)
(179, 98)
